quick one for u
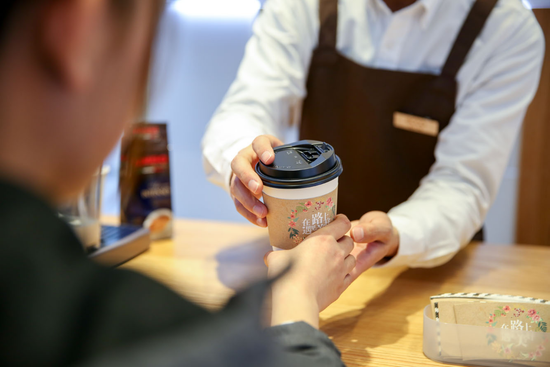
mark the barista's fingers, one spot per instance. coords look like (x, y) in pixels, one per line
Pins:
(248, 215)
(376, 230)
(242, 166)
(263, 147)
(246, 199)
(375, 216)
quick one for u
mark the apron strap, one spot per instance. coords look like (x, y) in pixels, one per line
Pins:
(328, 17)
(471, 28)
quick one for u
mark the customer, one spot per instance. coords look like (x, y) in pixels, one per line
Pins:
(73, 74)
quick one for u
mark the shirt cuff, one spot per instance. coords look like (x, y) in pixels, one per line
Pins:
(229, 154)
(220, 161)
(410, 243)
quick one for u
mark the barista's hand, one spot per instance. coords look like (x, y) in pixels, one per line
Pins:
(320, 272)
(375, 238)
(246, 185)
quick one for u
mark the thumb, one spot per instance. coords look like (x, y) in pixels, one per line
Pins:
(371, 232)
(263, 147)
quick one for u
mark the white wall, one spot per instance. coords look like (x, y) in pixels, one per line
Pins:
(197, 57)
(198, 52)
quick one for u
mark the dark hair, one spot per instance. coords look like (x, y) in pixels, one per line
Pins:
(6, 11)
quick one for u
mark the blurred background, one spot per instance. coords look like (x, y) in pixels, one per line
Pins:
(197, 54)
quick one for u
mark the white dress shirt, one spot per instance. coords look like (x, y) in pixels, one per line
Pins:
(495, 86)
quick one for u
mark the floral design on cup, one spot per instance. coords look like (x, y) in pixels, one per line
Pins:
(330, 205)
(507, 350)
(318, 221)
(518, 312)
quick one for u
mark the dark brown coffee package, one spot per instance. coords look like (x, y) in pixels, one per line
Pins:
(145, 191)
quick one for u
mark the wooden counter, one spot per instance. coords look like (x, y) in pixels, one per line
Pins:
(378, 320)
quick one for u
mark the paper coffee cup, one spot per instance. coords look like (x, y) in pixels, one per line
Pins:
(300, 191)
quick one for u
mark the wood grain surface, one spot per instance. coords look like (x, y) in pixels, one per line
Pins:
(378, 320)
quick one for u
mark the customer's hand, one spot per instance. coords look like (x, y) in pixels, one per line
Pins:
(375, 239)
(246, 185)
(320, 272)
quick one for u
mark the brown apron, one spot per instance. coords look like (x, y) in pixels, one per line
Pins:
(352, 107)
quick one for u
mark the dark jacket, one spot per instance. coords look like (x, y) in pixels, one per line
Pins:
(57, 308)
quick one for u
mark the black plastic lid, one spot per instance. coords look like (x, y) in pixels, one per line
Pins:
(302, 164)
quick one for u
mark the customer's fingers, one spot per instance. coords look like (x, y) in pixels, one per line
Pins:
(262, 222)
(349, 263)
(347, 281)
(266, 262)
(242, 166)
(336, 229)
(245, 197)
(346, 244)
(365, 259)
(263, 147)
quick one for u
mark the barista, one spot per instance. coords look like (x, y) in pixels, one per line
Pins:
(422, 100)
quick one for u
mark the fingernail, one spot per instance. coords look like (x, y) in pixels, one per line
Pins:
(258, 210)
(266, 156)
(253, 185)
(260, 222)
(358, 233)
